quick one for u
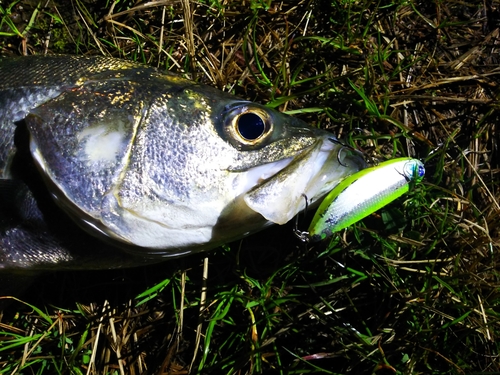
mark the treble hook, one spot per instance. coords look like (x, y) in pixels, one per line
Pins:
(301, 235)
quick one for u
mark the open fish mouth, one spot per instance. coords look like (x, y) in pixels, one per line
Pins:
(302, 180)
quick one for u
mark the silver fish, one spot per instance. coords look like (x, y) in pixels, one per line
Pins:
(145, 162)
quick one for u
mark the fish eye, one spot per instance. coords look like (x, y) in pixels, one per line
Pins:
(250, 126)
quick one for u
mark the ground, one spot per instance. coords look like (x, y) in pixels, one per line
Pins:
(411, 289)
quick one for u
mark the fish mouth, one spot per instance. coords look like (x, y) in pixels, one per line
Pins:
(293, 184)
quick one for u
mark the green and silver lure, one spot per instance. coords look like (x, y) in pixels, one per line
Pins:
(363, 193)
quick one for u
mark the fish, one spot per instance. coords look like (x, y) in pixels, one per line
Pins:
(107, 163)
(363, 193)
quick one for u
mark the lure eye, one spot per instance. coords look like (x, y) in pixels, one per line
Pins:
(250, 126)
(413, 170)
(421, 171)
(418, 171)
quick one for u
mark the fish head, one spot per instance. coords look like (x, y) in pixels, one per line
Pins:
(164, 167)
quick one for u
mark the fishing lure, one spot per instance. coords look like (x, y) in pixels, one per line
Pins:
(363, 193)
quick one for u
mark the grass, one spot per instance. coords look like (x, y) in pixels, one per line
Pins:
(412, 289)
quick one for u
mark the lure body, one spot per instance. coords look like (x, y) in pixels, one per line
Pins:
(363, 193)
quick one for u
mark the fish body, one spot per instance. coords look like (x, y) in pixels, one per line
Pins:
(106, 163)
(363, 193)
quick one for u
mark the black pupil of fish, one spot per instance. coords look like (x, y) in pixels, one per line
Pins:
(251, 126)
